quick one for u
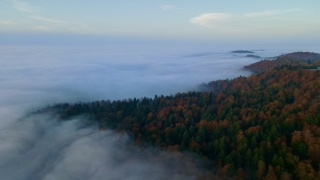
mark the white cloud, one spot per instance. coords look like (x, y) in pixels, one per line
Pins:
(8, 22)
(271, 13)
(44, 23)
(49, 20)
(268, 23)
(167, 7)
(208, 19)
(43, 28)
(25, 7)
(49, 24)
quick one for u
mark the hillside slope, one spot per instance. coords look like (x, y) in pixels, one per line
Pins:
(301, 59)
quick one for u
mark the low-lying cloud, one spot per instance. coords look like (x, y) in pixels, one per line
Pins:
(42, 148)
(84, 73)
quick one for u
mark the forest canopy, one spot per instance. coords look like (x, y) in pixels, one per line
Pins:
(305, 60)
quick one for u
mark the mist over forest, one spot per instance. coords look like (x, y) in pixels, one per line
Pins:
(40, 147)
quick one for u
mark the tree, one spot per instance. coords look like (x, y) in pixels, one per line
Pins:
(248, 157)
(270, 175)
(261, 169)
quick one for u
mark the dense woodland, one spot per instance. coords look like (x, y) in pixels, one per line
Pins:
(266, 126)
(304, 60)
(302, 56)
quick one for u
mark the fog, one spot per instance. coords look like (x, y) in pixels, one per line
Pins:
(84, 73)
(40, 147)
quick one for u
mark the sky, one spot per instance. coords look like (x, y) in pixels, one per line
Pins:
(205, 21)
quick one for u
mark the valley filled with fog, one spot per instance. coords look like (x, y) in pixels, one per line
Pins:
(40, 147)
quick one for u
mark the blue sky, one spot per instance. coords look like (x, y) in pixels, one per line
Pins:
(216, 21)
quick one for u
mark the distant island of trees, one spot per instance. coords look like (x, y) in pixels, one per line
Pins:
(242, 51)
(265, 126)
(253, 56)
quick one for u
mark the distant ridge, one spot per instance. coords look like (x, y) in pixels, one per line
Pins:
(242, 51)
(253, 56)
(307, 60)
(302, 56)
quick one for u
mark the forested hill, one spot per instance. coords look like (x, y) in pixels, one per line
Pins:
(302, 56)
(265, 126)
(300, 59)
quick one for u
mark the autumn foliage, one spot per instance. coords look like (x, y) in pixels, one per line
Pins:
(297, 59)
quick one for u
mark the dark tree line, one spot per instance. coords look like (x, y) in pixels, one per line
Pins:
(305, 60)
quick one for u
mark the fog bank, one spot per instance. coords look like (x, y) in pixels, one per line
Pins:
(40, 147)
(84, 73)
